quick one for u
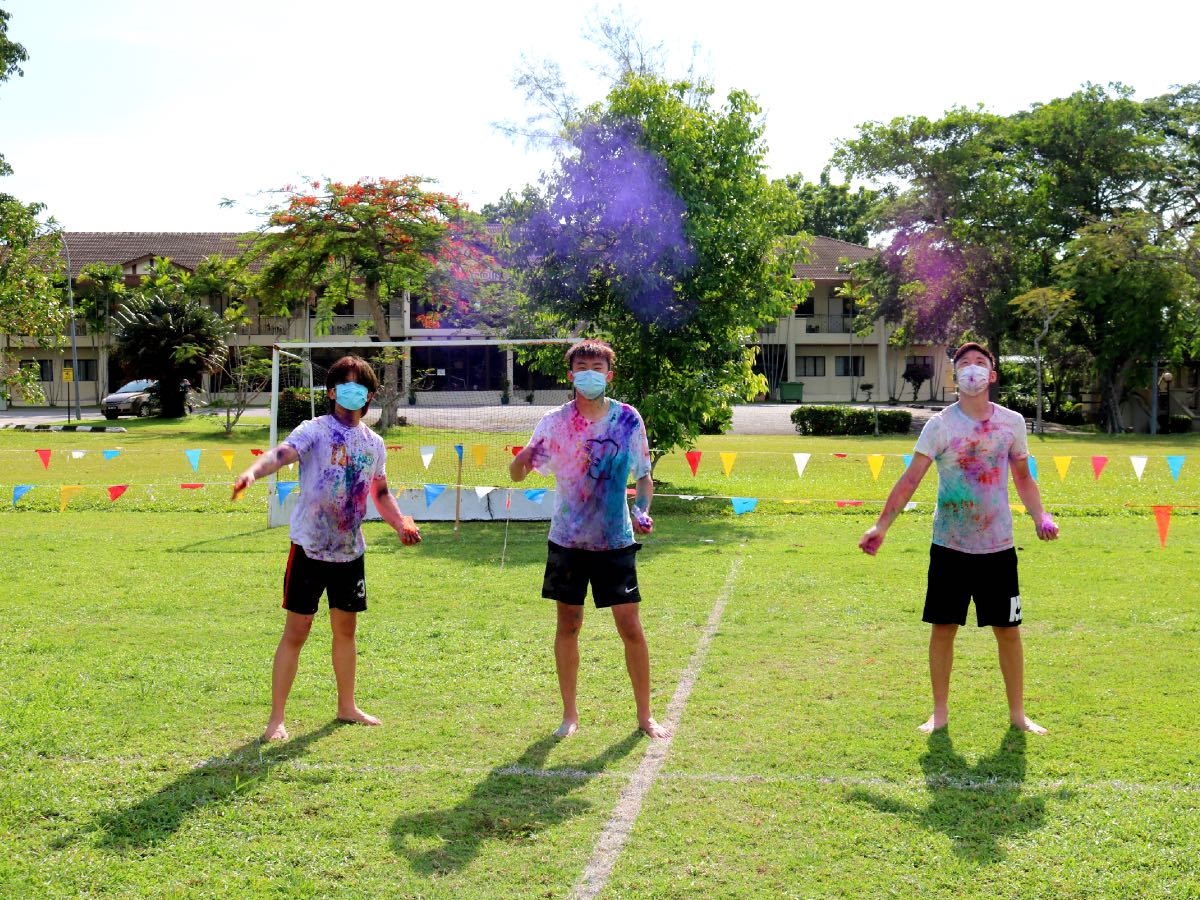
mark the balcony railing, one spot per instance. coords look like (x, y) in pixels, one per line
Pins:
(828, 324)
(268, 325)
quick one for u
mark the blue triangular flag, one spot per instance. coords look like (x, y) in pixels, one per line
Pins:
(20, 490)
(907, 460)
(458, 448)
(1033, 467)
(111, 454)
(1176, 464)
(535, 495)
(743, 504)
(432, 492)
(283, 488)
(194, 458)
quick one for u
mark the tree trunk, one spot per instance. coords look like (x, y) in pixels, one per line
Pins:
(1111, 385)
(388, 393)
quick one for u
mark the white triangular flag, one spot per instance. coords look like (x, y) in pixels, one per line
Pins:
(427, 455)
(910, 505)
(77, 454)
(482, 492)
(801, 461)
(1139, 465)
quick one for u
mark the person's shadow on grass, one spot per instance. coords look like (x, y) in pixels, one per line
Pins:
(156, 817)
(978, 807)
(514, 802)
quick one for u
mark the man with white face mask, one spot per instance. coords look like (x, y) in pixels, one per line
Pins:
(974, 443)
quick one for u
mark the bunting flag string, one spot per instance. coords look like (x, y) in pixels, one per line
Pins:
(194, 458)
(1176, 464)
(743, 505)
(20, 490)
(516, 448)
(727, 459)
(844, 503)
(283, 488)
(44, 456)
(458, 448)
(801, 461)
(1018, 508)
(427, 454)
(256, 452)
(907, 459)
(1098, 464)
(1062, 463)
(1033, 467)
(1139, 465)
(111, 454)
(432, 492)
(910, 505)
(483, 491)
(1162, 517)
(65, 493)
(479, 452)
(693, 459)
(192, 486)
(535, 495)
(875, 463)
(117, 490)
(227, 457)
(78, 454)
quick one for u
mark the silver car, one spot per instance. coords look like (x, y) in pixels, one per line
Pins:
(132, 399)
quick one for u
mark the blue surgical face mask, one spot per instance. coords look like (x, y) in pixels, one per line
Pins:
(351, 395)
(590, 383)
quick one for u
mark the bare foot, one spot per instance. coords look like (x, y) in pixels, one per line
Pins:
(654, 730)
(930, 725)
(1027, 724)
(357, 717)
(275, 732)
(567, 728)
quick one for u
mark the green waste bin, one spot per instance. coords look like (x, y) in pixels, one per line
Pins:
(791, 391)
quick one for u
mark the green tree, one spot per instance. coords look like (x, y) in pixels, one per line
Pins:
(656, 232)
(165, 334)
(827, 209)
(374, 239)
(1043, 306)
(12, 55)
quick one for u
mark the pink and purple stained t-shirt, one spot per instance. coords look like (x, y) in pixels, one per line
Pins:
(337, 466)
(591, 463)
(973, 513)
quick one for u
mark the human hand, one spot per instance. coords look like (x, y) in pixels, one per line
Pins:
(409, 532)
(871, 540)
(1047, 529)
(642, 522)
(243, 481)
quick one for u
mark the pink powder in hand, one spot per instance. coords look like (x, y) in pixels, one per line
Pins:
(641, 517)
(1047, 524)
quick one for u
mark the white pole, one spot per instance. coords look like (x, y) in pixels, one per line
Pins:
(274, 403)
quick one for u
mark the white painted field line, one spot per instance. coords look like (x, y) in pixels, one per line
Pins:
(616, 831)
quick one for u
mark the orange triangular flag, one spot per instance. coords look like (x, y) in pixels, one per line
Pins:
(693, 459)
(1162, 515)
(1098, 464)
(227, 455)
(44, 456)
(875, 461)
(117, 490)
(727, 458)
(1062, 463)
(479, 451)
(66, 493)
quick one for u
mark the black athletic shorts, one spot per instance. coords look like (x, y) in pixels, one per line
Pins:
(956, 577)
(612, 574)
(345, 583)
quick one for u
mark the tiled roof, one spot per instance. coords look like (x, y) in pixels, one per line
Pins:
(184, 248)
(824, 254)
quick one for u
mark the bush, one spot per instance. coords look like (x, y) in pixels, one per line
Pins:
(1177, 425)
(838, 420)
(294, 406)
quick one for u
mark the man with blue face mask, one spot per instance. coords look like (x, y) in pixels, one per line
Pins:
(592, 445)
(341, 462)
(975, 443)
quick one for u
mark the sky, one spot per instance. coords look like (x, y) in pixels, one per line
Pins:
(144, 116)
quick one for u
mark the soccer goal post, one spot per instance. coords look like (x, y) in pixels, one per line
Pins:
(463, 409)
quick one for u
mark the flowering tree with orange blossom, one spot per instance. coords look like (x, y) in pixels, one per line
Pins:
(327, 243)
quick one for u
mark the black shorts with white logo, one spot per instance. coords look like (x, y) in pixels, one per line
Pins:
(611, 573)
(345, 583)
(955, 578)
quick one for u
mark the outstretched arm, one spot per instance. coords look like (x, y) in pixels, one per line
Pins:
(901, 493)
(271, 461)
(1031, 496)
(531, 454)
(390, 511)
(645, 493)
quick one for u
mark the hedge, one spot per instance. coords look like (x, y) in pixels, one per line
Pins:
(834, 420)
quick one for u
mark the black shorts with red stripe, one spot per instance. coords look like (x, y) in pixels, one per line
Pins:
(344, 583)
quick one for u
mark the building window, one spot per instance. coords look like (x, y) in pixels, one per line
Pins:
(86, 370)
(926, 361)
(45, 368)
(849, 365)
(810, 366)
(806, 307)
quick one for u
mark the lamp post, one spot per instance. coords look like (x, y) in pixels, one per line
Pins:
(74, 343)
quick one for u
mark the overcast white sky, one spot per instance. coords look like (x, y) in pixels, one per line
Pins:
(142, 114)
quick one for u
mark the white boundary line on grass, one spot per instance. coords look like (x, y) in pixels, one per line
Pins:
(616, 831)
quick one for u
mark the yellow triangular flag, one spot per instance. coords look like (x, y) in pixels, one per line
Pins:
(66, 493)
(227, 455)
(727, 459)
(875, 461)
(1018, 508)
(479, 451)
(1062, 463)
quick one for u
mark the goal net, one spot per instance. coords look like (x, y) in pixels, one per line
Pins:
(462, 410)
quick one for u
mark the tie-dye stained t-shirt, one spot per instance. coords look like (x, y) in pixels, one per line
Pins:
(337, 465)
(591, 463)
(973, 513)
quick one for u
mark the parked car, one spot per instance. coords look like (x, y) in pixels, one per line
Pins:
(137, 398)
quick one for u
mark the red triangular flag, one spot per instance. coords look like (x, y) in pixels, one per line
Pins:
(191, 487)
(840, 455)
(117, 490)
(1162, 515)
(394, 447)
(256, 452)
(516, 448)
(842, 503)
(44, 456)
(1098, 464)
(693, 458)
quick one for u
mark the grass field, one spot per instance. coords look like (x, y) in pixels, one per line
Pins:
(136, 653)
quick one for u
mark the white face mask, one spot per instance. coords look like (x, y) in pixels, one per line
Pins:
(973, 380)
